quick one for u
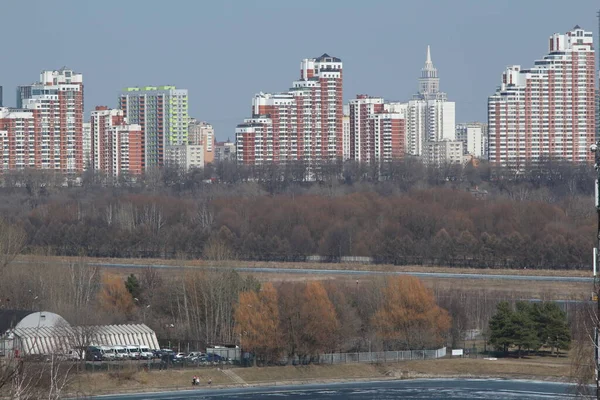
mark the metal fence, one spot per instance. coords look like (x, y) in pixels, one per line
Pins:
(381, 356)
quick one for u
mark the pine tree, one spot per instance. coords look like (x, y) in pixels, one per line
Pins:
(552, 326)
(525, 335)
(132, 284)
(501, 327)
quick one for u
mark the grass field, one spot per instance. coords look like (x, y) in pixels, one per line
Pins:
(547, 290)
(540, 368)
(310, 265)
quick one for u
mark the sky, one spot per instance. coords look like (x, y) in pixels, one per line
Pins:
(224, 52)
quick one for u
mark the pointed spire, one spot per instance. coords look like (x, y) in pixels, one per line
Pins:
(428, 60)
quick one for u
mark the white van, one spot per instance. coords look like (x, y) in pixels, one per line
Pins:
(146, 353)
(120, 353)
(108, 353)
(134, 351)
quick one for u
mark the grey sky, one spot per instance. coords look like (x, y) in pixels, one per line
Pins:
(225, 51)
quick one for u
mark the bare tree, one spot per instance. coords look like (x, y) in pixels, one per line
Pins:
(12, 241)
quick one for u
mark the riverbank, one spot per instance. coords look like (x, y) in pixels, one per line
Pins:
(535, 368)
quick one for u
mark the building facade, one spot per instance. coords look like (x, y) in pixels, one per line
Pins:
(87, 146)
(47, 131)
(474, 138)
(162, 112)
(430, 116)
(185, 156)
(546, 111)
(443, 152)
(117, 147)
(346, 133)
(305, 123)
(225, 151)
(201, 133)
(377, 130)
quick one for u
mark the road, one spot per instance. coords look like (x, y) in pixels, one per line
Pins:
(406, 389)
(309, 271)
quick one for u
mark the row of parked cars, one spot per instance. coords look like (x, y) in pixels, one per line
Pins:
(119, 353)
(137, 352)
(195, 357)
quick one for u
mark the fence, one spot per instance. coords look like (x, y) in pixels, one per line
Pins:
(381, 356)
(369, 357)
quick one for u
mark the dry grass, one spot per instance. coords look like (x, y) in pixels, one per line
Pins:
(301, 265)
(108, 382)
(541, 368)
(547, 368)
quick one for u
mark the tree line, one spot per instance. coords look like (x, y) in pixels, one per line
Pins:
(529, 327)
(475, 216)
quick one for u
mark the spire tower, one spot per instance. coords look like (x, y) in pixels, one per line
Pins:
(429, 83)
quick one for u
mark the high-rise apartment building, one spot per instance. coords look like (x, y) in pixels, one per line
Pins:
(474, 138)
(185, 156)
(546, 111)
(305, 123)
(225, 151)
(117, 147)
(162, 112)
(346, 133)
(201, 133)
(430, 116)
(47, 132)
(87, 146)
(377, 129)
(443, 152)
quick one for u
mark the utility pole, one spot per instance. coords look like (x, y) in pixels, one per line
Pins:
(595, 148)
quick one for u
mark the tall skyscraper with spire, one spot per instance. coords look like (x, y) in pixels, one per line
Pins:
(429, 83)
(430, 116)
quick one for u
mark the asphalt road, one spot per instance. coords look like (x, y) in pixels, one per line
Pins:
(405, 389)
(309, 271)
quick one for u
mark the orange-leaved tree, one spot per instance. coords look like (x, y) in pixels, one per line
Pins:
(409, 317)
(320, 324)
(114, 298)
(257, 322)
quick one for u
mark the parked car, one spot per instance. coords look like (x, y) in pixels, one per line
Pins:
(93, 354)
(133, 350)
(71, 355)
(171, 359)
(215, 358)
(193, 356)
(146, 353)
(108, 353)
(180, 356)
(121, 353)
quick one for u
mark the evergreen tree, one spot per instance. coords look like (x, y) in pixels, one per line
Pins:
(132, 284)
(501, 327)
(552, 326)
(525, 334)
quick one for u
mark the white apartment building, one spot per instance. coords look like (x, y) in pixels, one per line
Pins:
(546, 111)
(443, 152)
(87, 145)
(430, 116)
(474, 138)
(185, 157)
(346, 133)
